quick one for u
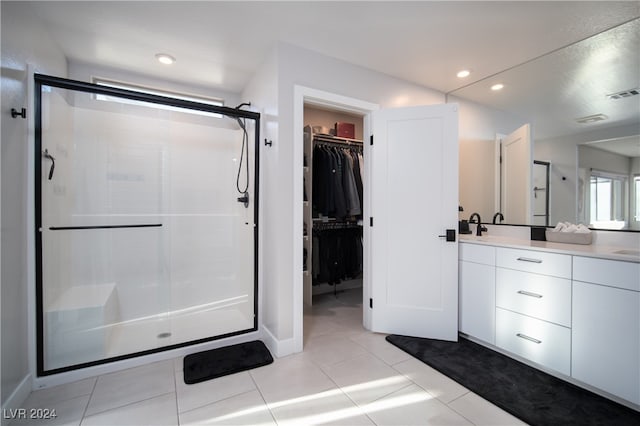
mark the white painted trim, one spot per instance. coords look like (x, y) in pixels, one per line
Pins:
(19, 394)
(302, 95)
(497, 183)
(278, 348)
(366, 231)
(31, 231)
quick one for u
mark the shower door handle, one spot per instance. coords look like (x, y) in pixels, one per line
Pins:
(53, 162)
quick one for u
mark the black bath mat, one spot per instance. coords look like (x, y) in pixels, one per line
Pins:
(531, 395)
(223, 361)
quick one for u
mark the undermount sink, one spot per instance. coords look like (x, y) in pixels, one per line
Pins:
(628, 252)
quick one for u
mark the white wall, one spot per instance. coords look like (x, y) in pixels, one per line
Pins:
(273, 90)
(262, 92)
(23, 42)
(604, 161)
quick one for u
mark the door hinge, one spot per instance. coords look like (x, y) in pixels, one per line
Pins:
(371, 221)
(371, 303)
(371, 140)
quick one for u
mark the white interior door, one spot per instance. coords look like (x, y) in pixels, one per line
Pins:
(517, 164)
(414, 200)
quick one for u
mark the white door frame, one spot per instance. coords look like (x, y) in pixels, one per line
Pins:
(302, 95)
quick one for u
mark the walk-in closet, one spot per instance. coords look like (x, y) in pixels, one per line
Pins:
(333, 204)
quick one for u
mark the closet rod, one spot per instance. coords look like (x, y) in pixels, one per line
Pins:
(321, 226)
(339, 145)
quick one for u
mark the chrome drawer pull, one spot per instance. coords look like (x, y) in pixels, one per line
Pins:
(528, 259)
(526, 293)
(531, 339)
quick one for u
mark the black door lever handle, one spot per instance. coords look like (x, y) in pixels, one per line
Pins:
(53, 162)
(451, 235)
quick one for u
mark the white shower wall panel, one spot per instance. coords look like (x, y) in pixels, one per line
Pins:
(120, 181)
(57, 195)
(142, 169)
(211, 234)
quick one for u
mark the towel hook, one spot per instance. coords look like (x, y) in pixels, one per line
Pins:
(15, 113)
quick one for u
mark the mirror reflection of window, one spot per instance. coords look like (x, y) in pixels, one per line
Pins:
(636, 197)
(607, 200)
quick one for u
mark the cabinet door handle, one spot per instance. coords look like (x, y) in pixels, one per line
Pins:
(531, 339)
(528, 293)
(528, 259)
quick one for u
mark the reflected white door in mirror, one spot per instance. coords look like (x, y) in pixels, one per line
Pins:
(515, 176)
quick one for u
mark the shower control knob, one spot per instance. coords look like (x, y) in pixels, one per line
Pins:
(244, 199)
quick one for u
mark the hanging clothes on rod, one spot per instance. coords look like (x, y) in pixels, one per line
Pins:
(337, 179)
(337, 252)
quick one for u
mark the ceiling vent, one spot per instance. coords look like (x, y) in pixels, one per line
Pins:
(624, 94)
(591, 118)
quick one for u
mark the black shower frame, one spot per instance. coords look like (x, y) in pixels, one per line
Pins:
(80, 86)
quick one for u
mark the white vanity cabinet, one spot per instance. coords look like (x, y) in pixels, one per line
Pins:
(606, 326)
(533, 306)
(477, 291)
(576, 315)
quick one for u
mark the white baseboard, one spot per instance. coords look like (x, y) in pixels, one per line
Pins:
(278, 348)
(19, 394)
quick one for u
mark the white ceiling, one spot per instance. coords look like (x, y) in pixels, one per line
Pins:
(220, 44)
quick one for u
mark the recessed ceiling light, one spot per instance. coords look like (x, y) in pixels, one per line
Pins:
(498, 86)
(463, 73)
(165, 59)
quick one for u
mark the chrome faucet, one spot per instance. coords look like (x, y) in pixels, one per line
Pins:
(480, 228)
(497, 215)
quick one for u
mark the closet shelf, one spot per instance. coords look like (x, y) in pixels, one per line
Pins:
(329, 138)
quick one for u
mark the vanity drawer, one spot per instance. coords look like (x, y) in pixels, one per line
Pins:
(477, 253)
(540, 296)
(536, 340)
(539, 262)
(613, 273)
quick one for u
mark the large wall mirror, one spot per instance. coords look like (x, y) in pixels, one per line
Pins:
(581, 105)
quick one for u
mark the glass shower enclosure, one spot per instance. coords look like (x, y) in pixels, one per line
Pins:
(146, 223)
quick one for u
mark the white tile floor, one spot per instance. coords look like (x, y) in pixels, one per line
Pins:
(345, 376)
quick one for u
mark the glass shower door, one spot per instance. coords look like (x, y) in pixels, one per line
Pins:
(141, 242)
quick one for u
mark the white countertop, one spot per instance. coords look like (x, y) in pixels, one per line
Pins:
(590, 250)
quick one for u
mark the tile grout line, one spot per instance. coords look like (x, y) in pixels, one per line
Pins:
(343, 392)
(266, 404)
(86, 407)
(175, 390)
(129, 404)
